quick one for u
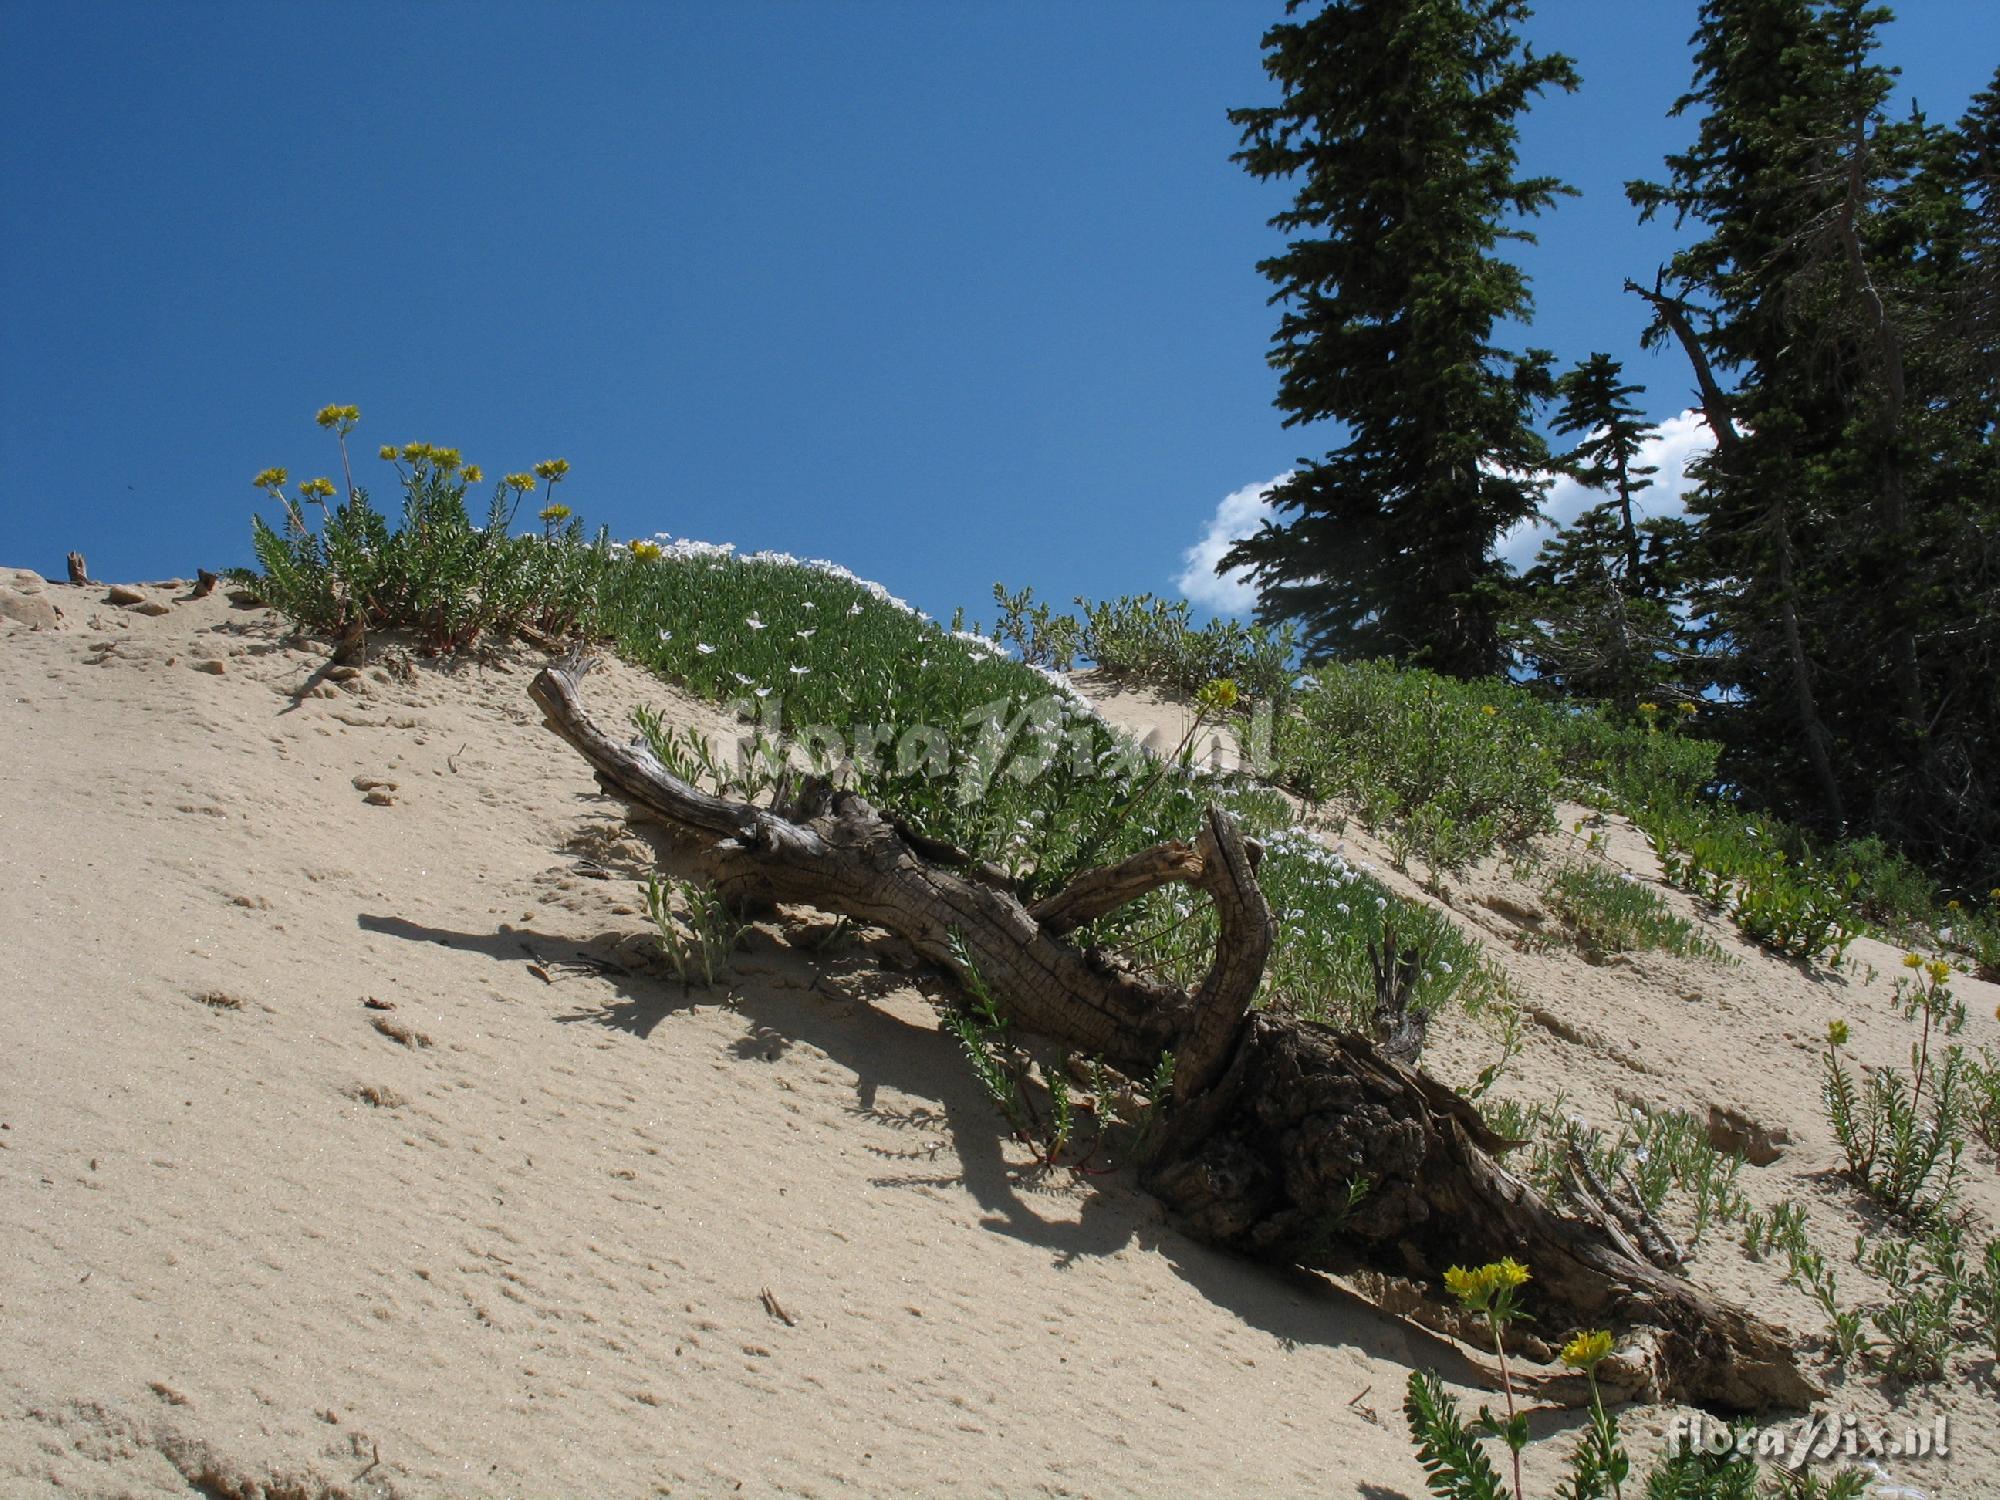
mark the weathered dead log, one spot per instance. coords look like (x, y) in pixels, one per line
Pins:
(1283, 1139)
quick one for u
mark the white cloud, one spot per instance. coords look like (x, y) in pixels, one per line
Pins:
(1239, 515)
(1679, 440)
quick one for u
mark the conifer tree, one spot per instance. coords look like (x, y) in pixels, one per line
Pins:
(1829, 311)
(1597, 402)
(1397, 122)
(1596, 615)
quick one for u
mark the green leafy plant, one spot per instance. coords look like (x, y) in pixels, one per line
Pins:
(1974, 933)
(1004, 1070)
(1488, 1291)
(757, 768)
(1982, 1096)
(1154, 641)
(1447, 1446)
(1925, 989)
(448, 581)
(1810, 1270)
(698, 939)
(1774, 890)
(1982, 1296)
(1456, 1465)
(1041, 637)
(1598, 1466)
(1648, 1160)
(1610, 912)
(1927, 1287)
(1904, 1156)
(1901, 1155)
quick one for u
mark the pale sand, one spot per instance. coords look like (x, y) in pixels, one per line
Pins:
(253, 1245)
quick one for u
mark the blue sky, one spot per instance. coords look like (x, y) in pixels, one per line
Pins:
(950, 293)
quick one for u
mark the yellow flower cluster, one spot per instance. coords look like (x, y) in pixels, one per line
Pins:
(340, 418)
(646, 551)
(1585, 1350)
(552, 469)
(521, 482)
(1936, 969)
(548, 515)
(1836, 1033)
(272, 479)
(444, 460)
(316, 489)
(1477, 1288)
(1218, 695)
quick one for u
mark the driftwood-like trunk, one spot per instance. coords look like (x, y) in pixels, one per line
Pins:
(1283, 1139)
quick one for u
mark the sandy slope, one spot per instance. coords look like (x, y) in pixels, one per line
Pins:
(254, 1244)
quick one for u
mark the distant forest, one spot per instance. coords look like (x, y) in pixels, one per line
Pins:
(1829, 606)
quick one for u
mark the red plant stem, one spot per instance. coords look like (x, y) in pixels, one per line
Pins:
(1507, 1385)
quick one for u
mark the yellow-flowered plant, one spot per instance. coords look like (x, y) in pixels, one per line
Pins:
(644, 551)
(1217, 696)
(341, 420)
(1489, 1290)
(1587, 1350)
(552, 472)
(1599, 1463)
(441, 575)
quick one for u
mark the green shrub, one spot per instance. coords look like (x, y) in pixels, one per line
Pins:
(1042, 637)
(698, 939)
(1630, 767)
(1331, 914)
(1447, 771)
(1152, 639)
(1974, 933)
(1886, 888)
(1982, 1088)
